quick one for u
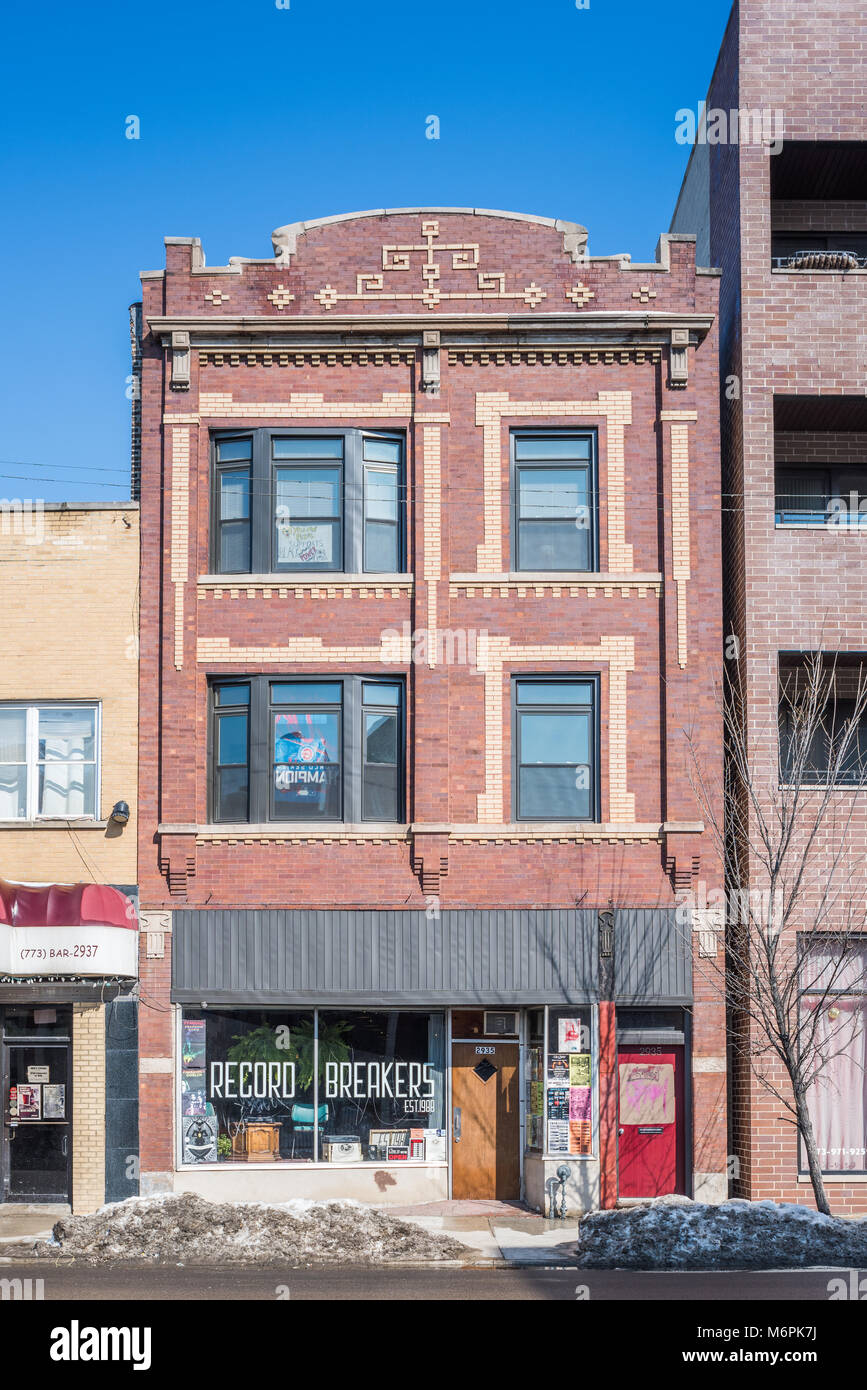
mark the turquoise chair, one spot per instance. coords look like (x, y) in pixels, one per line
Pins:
(302, 1120)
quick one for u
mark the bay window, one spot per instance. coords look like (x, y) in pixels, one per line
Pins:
(305, 749)
(288, 501)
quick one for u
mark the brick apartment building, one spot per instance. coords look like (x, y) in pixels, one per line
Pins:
(788, 227)
(430, 591)
(68, 849)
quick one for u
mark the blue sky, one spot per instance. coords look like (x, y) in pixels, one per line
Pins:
(252, 116)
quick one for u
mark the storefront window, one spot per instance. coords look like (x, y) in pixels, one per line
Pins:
(247, 1090)
(383, 1086)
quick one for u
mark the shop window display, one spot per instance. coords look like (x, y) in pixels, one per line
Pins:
(248, 1093)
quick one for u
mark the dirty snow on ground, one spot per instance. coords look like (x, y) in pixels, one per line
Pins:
(182, 1227)
(676, 1233)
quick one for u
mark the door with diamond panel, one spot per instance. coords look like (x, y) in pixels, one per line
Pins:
(486, 1160)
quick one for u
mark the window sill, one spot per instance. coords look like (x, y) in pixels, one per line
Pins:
(58, 823)
(835, 526)
(587, 578)
(227, 1165)
(836, 1177)
(301, 830)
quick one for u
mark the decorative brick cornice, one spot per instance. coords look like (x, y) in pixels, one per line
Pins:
(275, 586)
(604, 355)
(550, 586)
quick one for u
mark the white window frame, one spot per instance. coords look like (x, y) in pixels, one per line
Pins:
(31, 755)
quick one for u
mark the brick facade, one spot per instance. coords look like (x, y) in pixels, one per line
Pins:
(784, 333)
(453, 327)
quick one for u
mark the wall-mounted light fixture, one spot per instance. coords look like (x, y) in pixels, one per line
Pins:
(119, 813)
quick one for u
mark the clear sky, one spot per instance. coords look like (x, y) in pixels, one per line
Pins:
(252, 116)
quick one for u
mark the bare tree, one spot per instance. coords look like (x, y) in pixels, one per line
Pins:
(795, 908)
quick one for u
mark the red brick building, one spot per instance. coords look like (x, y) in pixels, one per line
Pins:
(781, 206)
(430, 591)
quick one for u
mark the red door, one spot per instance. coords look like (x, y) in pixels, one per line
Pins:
(650, 1121)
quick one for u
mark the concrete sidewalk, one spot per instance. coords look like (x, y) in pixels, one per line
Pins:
(500, 1232)
(29, 1221)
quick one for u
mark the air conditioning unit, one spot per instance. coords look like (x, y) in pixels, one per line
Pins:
(501, 1024)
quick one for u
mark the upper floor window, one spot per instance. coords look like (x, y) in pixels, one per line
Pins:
(553, 501)
(49, 758)
(306, 749)
(829, 494)
(555, 749)
(823, 721)
(313, 500)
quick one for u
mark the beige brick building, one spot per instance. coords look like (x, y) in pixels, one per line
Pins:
(69, 576)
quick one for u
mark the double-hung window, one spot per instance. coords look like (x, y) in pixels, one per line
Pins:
(554, 522)
(555, 749)
(49, 761)
(294, 501)
(306, 749)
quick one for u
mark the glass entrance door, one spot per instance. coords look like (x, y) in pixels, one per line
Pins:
(37, 1132)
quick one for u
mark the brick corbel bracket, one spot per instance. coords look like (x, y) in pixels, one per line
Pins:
(177, 861)
(180, 360)
(678, 359)
(681, 858)
(429, 857)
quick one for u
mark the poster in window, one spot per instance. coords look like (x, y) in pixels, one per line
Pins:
(579, 1069)
(558, 1102)
(298, 544)
(558, 1136)
(194, 1101)
(534, 1131)
(193, 1044)
(579, 1102)
(579, 1137)
(572, 1035)
(536, 1097)
(54, 1102)
(558, 1068)
(30, 1102)
(305, 751)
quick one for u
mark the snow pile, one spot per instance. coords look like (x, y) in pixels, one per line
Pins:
(185, 1228)
(676, 1233)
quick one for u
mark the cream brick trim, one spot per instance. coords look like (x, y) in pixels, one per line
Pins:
(88, 1107)
(546, 586)
(301, 405)
(613, 406)
(275, 586)
(708, 1064)
(595, 833)
(395, 652)
(432, 522)
(155, 1066)
(266, 834)
(180, 530)
(679, 422)
(618, 652)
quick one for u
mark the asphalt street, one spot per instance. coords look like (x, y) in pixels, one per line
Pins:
(74, 1281)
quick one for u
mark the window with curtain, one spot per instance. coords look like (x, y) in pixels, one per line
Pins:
(835, 1021)
(49, 761)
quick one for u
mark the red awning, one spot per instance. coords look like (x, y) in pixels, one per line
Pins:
(65, 905)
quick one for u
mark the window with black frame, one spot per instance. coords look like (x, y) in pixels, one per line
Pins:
(309, 500)
(231, 751)
(306, 719)
(554, 505)
(823, 734)
(307, 749)
(555, 749)
(821, 495)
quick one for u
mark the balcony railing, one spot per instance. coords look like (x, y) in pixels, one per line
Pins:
(819, 260)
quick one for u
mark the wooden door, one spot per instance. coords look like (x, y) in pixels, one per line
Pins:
(486, 1160)
(650, 1114)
